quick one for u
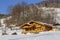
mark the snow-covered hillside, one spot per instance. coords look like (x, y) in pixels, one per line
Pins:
(52, 35)
(41, 36)
(56, 13)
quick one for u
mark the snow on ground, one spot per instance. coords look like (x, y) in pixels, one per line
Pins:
(51, 35)
(41, 36)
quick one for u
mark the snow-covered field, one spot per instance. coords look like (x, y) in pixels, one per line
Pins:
(40, 36)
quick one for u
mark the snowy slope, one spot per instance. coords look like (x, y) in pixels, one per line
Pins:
(57, 12)
(41, 36)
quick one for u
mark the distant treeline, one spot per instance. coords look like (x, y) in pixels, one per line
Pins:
(22, 13)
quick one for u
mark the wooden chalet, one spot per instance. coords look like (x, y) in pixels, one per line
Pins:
(35, 27)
